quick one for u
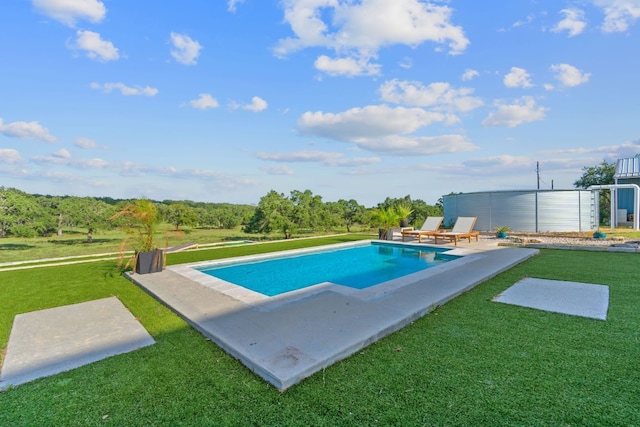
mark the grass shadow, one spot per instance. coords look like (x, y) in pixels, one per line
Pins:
(70, 242)
(15, 247)
(235, 239)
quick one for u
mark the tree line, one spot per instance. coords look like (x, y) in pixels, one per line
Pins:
(31, 215)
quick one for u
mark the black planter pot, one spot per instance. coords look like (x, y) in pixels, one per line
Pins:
(149, 262)
(385, 234)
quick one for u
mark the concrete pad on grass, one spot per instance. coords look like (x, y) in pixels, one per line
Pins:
(573, 298)
(47, 342)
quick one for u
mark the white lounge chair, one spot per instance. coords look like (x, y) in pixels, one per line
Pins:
(429, 228)
(462, 229)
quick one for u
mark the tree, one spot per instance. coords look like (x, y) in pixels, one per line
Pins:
(350, 212)
(601, 174)
(84, 212)
(180, 214)
(21, 215)
(274, 212)
(307, 209)
(422, 210)
(229, 218)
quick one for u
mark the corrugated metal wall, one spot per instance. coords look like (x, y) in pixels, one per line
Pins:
(526, 210)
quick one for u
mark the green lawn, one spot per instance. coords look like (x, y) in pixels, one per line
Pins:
(470, 362)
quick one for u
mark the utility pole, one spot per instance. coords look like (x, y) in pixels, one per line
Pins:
(538, 173)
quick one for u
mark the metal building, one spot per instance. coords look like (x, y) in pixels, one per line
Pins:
(526, 210)
(627, 172)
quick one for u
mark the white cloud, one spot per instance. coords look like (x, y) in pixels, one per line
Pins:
(498, 165)
(521, 23)
(204, 102)
(358, 30)
(569, 75)
(399, 145)
(380, 128)
(185, 49)
(439, 95)
(231, 4)
(63, 157)
(349, 67)
(369, 122)
(10, 156)
(517, 77)
(278, 170)
(68, 12)
(26, 130)
(608, 152)
(406, 63)
(574, 22)
(521, 111)
(515, 167)
(125, 90)
(469, 74)
(94, 47)
(129, 169)
(325, 157)
(619, 14)
(87, 144)
(257, 104)
(62, 154)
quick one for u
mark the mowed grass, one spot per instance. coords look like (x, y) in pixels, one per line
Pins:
(470, 362)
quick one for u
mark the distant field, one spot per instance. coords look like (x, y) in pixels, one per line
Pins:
(74, 242)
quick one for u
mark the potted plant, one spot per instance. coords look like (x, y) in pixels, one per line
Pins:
(140, 220)
(599, 235)
(403, 211)
(385, 219)
(501, 232)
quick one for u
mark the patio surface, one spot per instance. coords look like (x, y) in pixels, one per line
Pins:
(286, 339)
(47, 342)
(573, 298)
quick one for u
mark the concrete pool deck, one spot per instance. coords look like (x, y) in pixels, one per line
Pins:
(286, 339)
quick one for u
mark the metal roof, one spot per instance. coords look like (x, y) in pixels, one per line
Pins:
(628, 168)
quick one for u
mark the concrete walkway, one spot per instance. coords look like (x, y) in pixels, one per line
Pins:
(285, 340)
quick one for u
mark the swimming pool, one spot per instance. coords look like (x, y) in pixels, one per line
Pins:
(357, 267)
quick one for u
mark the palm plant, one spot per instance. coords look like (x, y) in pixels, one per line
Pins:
(385, 219)
(404, 210)
(140, 220)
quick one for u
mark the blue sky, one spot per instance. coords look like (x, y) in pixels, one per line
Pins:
(225, 100)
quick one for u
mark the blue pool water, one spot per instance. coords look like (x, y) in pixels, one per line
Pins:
(356, 267)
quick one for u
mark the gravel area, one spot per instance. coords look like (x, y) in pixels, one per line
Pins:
(562, 241)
